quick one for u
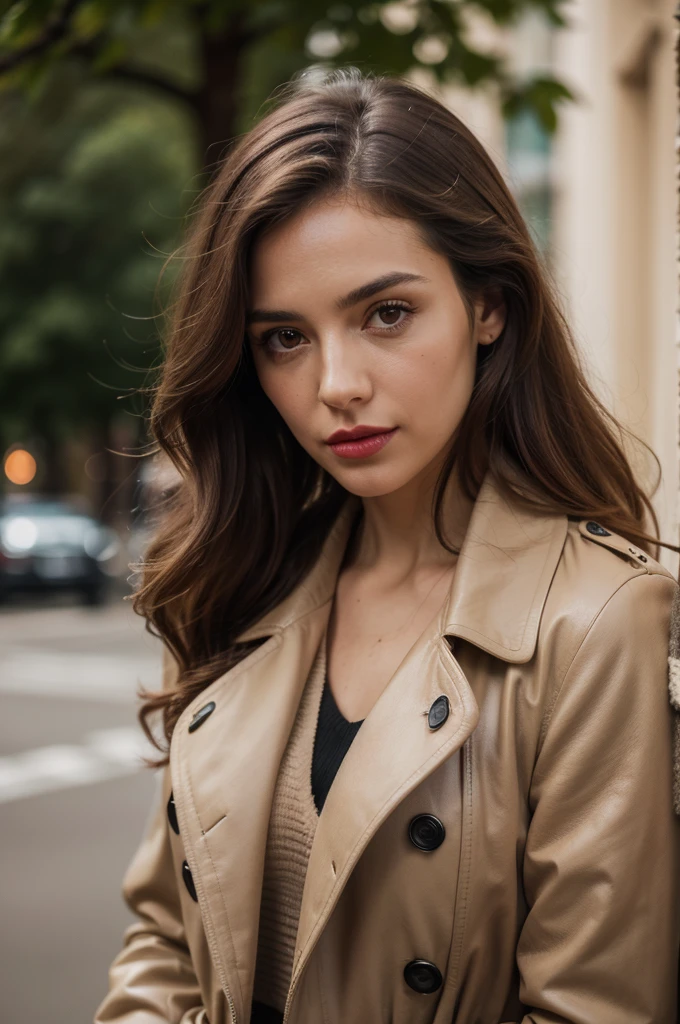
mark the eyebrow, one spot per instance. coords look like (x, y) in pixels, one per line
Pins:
(360, 294)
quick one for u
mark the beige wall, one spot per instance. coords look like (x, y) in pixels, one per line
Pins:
(614, 252)
(613, 238)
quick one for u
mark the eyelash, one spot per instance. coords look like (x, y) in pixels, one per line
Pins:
(396, 304)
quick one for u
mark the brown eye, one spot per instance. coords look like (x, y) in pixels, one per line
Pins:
(286, 337)
(390, 314)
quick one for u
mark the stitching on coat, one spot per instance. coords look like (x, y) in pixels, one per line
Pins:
(466, 858)
(529, 622)
(210, 922)
(322, 998)
(467, 851)
(547, 718)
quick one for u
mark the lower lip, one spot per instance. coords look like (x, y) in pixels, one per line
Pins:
(363, 446)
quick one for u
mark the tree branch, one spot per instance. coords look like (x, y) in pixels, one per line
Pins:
(130, 73)
(55, 30)
(58, 28)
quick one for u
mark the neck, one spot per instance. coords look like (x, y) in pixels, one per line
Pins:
(395, 536)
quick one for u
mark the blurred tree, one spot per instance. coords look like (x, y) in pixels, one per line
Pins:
(226, 56)
(108, 110)
(90, 204)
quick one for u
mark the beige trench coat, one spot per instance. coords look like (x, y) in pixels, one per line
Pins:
(554, 897)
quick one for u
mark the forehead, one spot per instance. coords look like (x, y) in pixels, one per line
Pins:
(335, 243)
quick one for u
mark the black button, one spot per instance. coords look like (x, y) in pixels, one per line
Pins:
(189, 881)
(201, 715)
(422, 976)
(426, 832)
(172, 815)
(439, 712)
(597, 529)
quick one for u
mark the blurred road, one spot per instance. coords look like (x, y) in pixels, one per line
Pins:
(74, 800)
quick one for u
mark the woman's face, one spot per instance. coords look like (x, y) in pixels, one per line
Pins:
(353, 321)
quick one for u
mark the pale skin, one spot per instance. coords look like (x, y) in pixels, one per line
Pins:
(328, 367)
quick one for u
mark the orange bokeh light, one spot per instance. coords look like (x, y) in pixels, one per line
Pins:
(20, 467)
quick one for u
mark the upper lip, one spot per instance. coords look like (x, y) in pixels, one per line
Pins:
(356, 432)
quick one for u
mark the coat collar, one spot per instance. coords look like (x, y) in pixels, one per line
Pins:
(502, 578)
(224, 774)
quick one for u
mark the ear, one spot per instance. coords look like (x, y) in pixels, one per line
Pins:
(490, 315)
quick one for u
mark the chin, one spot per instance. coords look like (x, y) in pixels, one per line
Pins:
(373, 484)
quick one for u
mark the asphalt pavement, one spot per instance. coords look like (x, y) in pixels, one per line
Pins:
(74, 799)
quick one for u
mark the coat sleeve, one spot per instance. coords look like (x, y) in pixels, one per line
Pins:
(601, 869)
(152, 979)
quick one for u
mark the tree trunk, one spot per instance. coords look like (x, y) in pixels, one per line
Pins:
(219, 96)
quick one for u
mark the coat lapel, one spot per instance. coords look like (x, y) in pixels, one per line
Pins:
(507, 561)
(224, 774)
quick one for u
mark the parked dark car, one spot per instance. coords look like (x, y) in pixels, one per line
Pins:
(49, 545)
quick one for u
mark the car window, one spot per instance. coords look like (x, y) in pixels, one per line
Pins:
(24, 531)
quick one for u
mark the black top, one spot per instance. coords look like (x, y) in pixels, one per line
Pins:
(333, 738)
(334, 735)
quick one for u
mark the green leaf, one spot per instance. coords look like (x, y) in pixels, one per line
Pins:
(540, 94)
(112, 53)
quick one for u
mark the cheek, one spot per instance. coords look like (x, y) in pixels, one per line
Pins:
(287, 395)
(436, 379)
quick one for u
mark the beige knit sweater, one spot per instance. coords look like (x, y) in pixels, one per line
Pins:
(292, 826)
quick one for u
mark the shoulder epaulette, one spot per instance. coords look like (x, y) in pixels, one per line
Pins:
(614, 541)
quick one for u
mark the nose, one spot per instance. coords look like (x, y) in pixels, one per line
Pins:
(344, 373)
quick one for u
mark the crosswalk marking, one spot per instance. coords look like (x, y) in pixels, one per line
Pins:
(103, 754)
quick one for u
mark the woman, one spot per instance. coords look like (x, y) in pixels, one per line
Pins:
(415, 687)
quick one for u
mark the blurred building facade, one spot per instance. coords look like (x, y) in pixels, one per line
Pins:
(601, 201)
(615, 198)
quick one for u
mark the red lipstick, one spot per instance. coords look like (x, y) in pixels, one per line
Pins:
(360, 441)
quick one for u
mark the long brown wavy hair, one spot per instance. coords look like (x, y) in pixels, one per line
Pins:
(247, 520)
